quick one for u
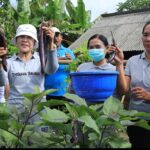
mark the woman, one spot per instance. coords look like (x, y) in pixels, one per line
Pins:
(24, 68)
(97, 46)
(137, 73)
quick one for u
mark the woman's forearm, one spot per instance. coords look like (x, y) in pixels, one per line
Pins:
(2, 78)
(122, 84)
(52, 62)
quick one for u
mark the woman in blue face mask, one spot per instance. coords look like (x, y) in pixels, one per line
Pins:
(97, 47)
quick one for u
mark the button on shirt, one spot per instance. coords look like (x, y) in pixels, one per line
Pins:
(138, 68)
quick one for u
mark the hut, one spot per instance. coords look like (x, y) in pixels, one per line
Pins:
(125, 26)
(127, 30)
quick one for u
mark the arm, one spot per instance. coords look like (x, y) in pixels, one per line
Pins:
(137, 92)
(7, 90)
(52, 61)
(2, 76)
(121, 81)
(2, 72)
(70, 55)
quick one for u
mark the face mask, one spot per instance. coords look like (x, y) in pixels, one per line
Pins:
(96, 54)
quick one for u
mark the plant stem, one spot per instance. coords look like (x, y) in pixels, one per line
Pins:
(25, 124)
(103, 131)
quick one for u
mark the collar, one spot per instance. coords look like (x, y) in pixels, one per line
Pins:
(16, 57)
(103, 66)
(143, 55)
(60, 47)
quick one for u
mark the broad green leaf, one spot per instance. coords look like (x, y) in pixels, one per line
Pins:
(76, 99)
(64, 128)
(4, 124)
(37, 97)
(127, 122)
(53, 115)
(89, 122)
(72, 111)
(10, 139)
(117, 142)
(142, 114)
(124, 112)
(104, 121)
(50, 103)
(143, 123)
(111, 107)
(97, 107)
(92, 136)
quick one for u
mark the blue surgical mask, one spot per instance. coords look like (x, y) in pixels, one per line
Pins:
(96, 54)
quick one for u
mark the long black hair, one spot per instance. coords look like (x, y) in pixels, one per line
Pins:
(146, 24)
(100, 37)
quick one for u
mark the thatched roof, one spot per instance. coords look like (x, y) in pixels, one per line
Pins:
(126, 28)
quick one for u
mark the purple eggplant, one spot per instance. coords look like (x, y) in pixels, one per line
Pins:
(43, 46)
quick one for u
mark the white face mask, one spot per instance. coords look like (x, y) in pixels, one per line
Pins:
(96, 54)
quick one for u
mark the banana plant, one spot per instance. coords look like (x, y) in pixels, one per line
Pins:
(73, 20)
(79, 17)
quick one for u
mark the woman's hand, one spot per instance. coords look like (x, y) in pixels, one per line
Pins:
(140, 93)
(50, 33)
(119, 55)
(68, 56)
(3, 51)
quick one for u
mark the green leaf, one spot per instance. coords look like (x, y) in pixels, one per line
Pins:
(53, 115)
(117, 142)
(9, 139)
(89, 122)
(127, 122)
(72, 111)
(37, 97)
(104, 121)
(143, 123)
(76, 99)
(50, 103)
(92, 136)
(111, 107)
(4, 112)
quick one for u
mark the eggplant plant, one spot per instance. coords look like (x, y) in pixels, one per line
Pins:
(67, 124)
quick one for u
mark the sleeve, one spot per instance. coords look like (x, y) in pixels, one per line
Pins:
(52, 62)
(3, 79)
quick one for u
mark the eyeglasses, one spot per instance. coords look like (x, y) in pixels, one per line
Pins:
(94, 46)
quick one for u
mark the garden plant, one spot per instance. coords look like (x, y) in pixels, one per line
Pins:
(73, 124)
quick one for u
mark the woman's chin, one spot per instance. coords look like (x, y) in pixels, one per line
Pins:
(25, 51)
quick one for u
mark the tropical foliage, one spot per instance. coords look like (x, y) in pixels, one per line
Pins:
(133, 5)
(60, 13)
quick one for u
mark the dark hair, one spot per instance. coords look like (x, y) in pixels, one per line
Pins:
(100, 37)
(146, 24)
